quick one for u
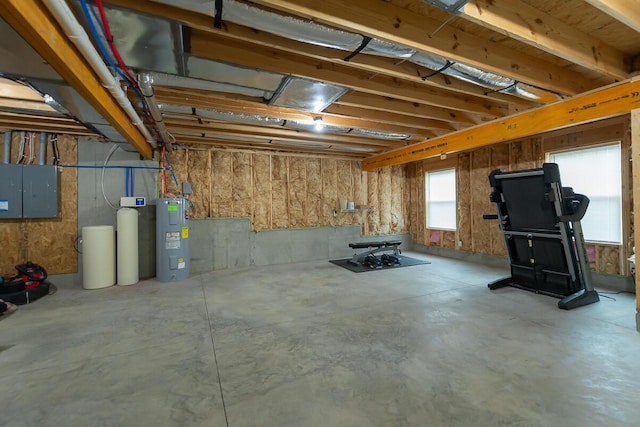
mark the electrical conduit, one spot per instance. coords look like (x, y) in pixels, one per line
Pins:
(6, 147)
(43, 145)
(79, 38)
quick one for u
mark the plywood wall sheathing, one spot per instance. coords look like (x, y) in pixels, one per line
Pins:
(499, 160)
(480, 204)
(463, 200)
(221, 184)
(261, 191)
(297, 192)
(279, 192)
(242, 185)
(49, 241)
(200, 160)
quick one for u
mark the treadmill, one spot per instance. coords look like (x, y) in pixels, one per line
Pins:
(540, 222)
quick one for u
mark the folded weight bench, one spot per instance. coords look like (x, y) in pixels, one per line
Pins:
(373, 248)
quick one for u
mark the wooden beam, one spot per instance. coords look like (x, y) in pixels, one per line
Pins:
(398, 25)
(610, 101)
(527, 24)
(287, 63)
(32, 20)
(373, 64)
(625, 11)
(635, 153)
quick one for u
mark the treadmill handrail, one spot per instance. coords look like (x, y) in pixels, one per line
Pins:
(583, 204)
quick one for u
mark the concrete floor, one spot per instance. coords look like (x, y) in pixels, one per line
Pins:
(312, 344)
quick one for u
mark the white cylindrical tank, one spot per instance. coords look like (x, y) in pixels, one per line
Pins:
(98, 256)
(128, 272)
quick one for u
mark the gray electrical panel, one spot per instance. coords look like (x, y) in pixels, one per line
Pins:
(10, 191)
(39, 191)
(172, 239)
(28, 191)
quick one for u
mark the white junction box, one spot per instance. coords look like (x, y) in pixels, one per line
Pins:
(132, 202)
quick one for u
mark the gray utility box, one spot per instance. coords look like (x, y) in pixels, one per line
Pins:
(28, 191)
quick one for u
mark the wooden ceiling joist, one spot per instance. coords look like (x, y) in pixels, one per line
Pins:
(391, 67)
(262, 132)
(410, 126)
(527, 24)
(414, 109)
(32, 20)
(394, 24)
(625, 11)
(205, 46)
(601, 103)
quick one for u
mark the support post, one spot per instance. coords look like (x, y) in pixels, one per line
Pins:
(635, 156)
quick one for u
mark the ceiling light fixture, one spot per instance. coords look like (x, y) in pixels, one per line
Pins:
(451, 6)
(319, 125)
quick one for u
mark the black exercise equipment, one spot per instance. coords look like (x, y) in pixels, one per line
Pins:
(388, 259)
(540, 222)
(27, 286)
(367, 257)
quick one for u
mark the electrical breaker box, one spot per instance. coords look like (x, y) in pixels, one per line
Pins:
(28, 191)
(39, 191)
(10, 191)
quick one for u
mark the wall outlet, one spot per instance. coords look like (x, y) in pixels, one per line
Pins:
(335, 212)
(459, 243)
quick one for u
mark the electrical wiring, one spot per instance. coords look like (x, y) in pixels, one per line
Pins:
(171, 169)
(126, 77)
(115, 147)
(21, 148)
(111, 43)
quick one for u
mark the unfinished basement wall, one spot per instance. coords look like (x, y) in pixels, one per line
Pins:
(473, 234)
(48, 242)
(285, 192)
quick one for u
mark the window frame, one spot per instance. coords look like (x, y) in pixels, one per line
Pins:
(455, 198)
(619, 144)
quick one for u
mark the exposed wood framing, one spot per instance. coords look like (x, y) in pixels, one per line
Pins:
(398, 25)
(288, 63)
(635, 150)
(34, 23)
(625, 11)
(607, 102)
(520, 21)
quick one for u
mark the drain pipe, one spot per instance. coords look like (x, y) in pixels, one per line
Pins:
(6, 147)
(145, 82)
(76, 34)
(43, 148)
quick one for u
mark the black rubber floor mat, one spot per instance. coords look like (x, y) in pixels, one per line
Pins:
(405, 261)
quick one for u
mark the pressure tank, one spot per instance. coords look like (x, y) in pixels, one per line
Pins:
(172, 239)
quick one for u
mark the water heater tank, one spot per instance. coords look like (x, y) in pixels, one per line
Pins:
(172, 239)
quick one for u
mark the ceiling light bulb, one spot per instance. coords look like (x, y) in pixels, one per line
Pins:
(319, 125)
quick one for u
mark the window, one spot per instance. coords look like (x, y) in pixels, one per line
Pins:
(595, 172)
(440, 187)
